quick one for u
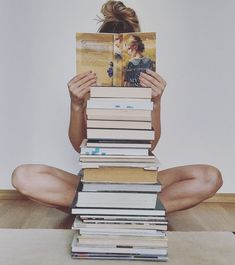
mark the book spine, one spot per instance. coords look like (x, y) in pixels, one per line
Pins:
(117, 59)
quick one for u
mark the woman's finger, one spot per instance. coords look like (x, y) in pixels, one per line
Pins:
(85, 80)
(150, 79)
(88, 84)
(156, 76)
(78, 77)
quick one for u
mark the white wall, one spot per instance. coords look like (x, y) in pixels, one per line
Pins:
(195, 55)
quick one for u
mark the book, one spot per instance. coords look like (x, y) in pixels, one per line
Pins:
(120, 134)
(128, 222)
(76, 247)
(123, 218)
(116, 200)
(121, 92)
(78, 224)
(150, 242)
(158, 211)
(119, 103)
(116, 158)
(119, 114)
(112, 151)
(99, 164)
(111, 256)
(120, 231)
(142, 125)
(117, 59)
(120, 175)
(118, 143)
(121, 187)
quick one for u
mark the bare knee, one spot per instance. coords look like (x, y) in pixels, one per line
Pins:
(211, 180)
(22, 178)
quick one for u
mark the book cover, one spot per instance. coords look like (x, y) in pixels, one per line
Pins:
(117, 59)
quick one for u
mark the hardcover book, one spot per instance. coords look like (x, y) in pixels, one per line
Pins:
(117, 59)
(120, 175)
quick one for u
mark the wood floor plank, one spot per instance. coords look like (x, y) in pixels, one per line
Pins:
(204, 217)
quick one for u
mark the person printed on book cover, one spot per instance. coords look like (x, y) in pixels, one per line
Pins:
(117, 47)
(138, 62)
(182, 187)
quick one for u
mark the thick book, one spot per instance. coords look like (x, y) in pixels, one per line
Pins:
(120, 175)
(76, 247)
(84, 150)
(116, 200)
(121, 92)
(158, 211)
(117, 59)
(125, 241)
(119, 114)
(119, 103)
(141, 125)
(120, 134)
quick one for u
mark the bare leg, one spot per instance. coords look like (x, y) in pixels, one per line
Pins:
(186, 186)
(47, 185)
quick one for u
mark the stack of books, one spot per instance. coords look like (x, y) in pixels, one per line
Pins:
(119, 128)
(118, 212)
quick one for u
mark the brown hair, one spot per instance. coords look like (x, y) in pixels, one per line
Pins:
(117, 18)
(137, 42)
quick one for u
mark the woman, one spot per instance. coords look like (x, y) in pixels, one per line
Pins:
(138, 62)
(182, 187)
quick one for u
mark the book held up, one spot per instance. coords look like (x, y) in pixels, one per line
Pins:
(117, 59)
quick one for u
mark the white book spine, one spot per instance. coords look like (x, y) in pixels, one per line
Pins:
(119, 114)
(117, 200)
(111, 104)
(119, 124)
(121, 92)
(120, 134)
(112, 151)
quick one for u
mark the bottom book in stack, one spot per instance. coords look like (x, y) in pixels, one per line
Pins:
(119, 217)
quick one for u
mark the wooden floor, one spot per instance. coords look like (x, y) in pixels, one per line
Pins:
(204, 217)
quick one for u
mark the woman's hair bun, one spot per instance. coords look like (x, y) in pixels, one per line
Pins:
(116, 11)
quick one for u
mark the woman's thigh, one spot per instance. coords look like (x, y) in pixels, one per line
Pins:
(176, 174)
(50, 185)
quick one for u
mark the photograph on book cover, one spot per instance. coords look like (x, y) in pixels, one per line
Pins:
(117, 59)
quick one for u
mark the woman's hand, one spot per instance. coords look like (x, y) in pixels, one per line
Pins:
(79, 87)
(155, 81)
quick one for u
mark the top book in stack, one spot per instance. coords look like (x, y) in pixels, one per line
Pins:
(117, 59)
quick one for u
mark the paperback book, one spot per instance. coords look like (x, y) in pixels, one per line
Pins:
(117, 59)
